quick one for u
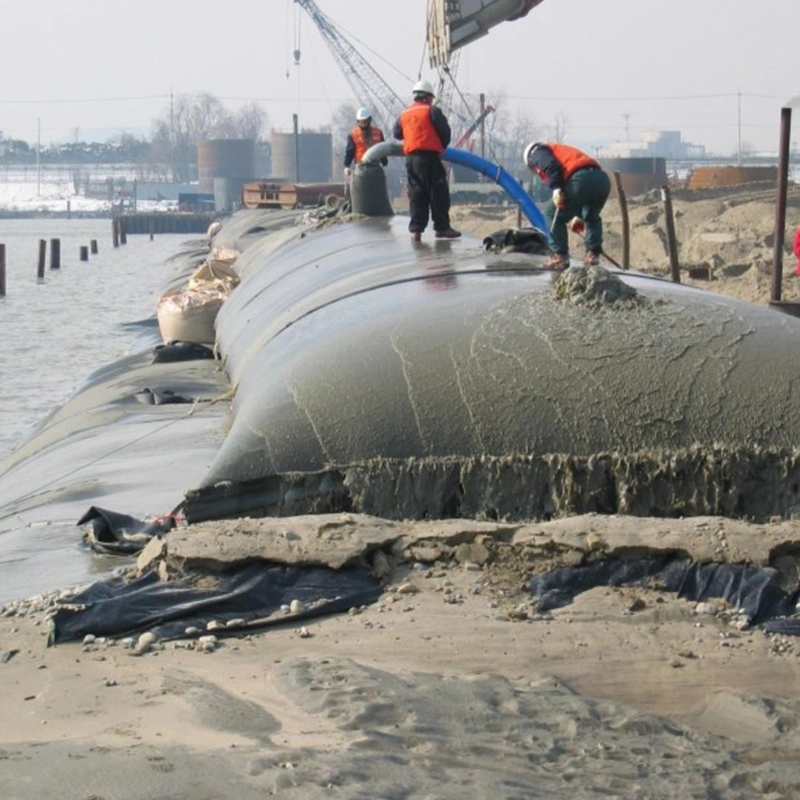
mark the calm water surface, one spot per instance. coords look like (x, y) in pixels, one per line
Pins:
(54, 334)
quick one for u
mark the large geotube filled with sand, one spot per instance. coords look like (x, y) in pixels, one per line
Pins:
(438, 379)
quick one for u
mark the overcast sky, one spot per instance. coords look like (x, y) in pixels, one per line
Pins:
(609, 67)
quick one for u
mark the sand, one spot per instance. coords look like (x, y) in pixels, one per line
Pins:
(453, 685)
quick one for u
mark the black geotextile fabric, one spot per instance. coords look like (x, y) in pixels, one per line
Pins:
(250, 592)
(755, 591)
(120, 534)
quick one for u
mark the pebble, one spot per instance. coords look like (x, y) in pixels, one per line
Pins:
(144, 643)
(296, 607)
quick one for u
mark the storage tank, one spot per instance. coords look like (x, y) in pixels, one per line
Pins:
(312, 162)
(638, 175)
(233, 160)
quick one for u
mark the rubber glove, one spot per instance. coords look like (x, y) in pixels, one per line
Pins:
(559, 198)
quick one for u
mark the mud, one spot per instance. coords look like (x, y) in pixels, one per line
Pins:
(754, 484)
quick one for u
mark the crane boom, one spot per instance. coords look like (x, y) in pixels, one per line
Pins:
(367, 85)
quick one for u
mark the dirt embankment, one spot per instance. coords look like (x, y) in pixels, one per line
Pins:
(731, 234)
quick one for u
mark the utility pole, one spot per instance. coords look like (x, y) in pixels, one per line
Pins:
(739, 113)
(38, 156)
(296, 149)
(172, 133)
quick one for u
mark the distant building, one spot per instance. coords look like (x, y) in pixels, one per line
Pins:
(655, 144)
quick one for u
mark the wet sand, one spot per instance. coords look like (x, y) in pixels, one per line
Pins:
(452, 685)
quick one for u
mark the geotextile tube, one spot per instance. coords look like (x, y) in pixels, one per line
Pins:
(440, 379)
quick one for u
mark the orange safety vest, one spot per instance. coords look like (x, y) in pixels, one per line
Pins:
(362, 142)
(418, 130)
(570, 158)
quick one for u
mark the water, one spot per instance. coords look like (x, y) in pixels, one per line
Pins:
(54, 333)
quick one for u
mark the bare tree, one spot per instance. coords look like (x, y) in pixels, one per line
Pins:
(194, 118)
(557, 132)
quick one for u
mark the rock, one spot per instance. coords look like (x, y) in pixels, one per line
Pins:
(144, 643)
(154, 550)
(297, 607)
(472, 553)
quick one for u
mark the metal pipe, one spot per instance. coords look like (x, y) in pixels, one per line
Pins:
(780, 205)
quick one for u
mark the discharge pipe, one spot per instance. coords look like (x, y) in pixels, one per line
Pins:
(466, 159)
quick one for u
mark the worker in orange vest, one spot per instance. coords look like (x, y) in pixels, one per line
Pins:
(425, 133)
(360, 139)
(580, 189)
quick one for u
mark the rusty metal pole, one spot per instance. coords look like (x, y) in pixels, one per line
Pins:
(42, 257)
(672, 241)
(780, 205)
(626, 226)
(2, 270)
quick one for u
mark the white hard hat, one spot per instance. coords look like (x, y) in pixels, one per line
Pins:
(423, 87)
(363, 113)
(528, 150)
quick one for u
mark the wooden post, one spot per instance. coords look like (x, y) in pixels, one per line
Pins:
(626, 226)
(152, 228)
(123, 236)
(115, 231)
(69, 209)
(780, 206)
(93, 246)
(672, 242)
(84, 253)
(55, 254)
(2, 270)
(42, 256)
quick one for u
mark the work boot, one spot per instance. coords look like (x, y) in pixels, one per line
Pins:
(557, 261)
(448, 233)
(416, 236)
(591, 259)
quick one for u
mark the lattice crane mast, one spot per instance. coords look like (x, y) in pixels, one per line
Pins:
(367, 85)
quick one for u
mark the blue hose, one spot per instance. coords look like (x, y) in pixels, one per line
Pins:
(502, 178)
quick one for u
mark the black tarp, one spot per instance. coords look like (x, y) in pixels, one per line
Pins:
(756, 592)
(249, 592)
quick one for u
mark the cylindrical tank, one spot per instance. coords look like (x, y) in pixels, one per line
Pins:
(718, 177)
(232, 159)
(638, 175)
(306, 158)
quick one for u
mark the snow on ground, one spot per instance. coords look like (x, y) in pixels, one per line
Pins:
(59, 196)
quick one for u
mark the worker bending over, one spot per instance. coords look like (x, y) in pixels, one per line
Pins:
(425, 133)
(360, 139)
(580, 189)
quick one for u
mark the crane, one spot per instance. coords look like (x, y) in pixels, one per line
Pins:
(367, 85)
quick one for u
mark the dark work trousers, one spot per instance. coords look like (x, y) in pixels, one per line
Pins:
(428, 192)
(587, 191)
